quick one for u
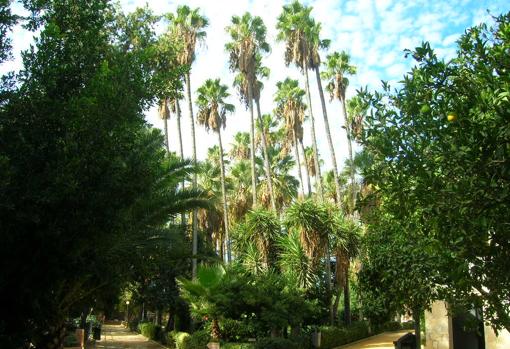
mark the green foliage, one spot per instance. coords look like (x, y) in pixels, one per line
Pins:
(149, 330)
(236, 330)
(182, 340)
(238, 345)
(332, 337)
(448, 180)
(274, 343)
(198, 340)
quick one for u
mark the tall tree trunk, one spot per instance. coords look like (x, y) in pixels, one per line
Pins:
(314, 139)
(347, 297)
(224, 195)
(417, 325)
(305, 159)
(266, 158)
(349, 148)
(181, 149)
(298, 160)
(328, 135)
(166, 135)
(194, 222)
(338, 294)
(319, 178)
(252, 147)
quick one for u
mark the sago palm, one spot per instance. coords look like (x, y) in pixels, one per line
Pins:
(212, 113)
(248, 35)
(187, 26)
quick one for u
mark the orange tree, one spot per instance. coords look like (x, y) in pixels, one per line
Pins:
(440, 146)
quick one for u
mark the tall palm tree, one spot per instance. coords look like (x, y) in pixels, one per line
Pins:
(291, 108)
(337, 68)
(263, 228)
(188, 27)
(164, 114)
(314, 62)
(240, 195)
(294, 24)
(212, 113)
(240, 148)
(248, 34)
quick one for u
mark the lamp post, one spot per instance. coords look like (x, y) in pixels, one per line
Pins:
(127, 313)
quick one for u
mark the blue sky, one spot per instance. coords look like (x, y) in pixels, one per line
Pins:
(374, 32)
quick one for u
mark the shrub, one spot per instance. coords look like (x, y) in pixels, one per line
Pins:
(198, 340)
(170, 340)
(182, 340)
(409, 325)
(390, 326)
(335, 336)
(149, 330)
(236, 330)
(275, 343)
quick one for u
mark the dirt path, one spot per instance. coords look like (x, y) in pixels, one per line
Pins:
(381, 341)
(118, 337)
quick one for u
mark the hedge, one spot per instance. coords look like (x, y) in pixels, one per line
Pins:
(237, 345)
(149, 330)
(332, 337)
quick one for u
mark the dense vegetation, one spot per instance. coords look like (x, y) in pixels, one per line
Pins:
(96, 212)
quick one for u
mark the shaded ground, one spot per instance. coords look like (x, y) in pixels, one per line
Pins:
(381, 341)
(118, 337)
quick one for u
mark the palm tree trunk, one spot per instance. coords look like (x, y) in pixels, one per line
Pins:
(181, 149)
(224, 195)
(166, 136)
(349, 148)
(266, 159)
(252, 147)
(319, 179)
(328, 135)
(298, 160)
(347, 297)
(305, 159)
(314, 139)
(194, 222)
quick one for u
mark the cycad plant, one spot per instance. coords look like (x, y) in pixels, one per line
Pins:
(212, 113)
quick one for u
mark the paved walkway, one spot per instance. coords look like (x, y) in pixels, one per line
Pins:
(381, 341)
(118, 337)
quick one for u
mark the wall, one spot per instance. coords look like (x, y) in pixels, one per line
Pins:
(437, 327)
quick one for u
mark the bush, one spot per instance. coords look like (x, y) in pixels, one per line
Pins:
(149, 330)
(409, 325)
(237, 345)
(335, 336)
(390, 326)
(181, 339)
(199, 340)
(275, 343)
(236, 330)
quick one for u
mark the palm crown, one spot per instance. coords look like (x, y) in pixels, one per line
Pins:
(188, 26)
(337, 67)
(212, 108)
(290, 106)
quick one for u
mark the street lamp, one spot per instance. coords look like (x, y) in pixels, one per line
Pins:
(127, 313)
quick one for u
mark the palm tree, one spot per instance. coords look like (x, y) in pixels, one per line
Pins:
(293, 26)
(294, 262)
(317, 44)
(346, 242)
(248, 36)
(188, 28)
(200, 293)
(337, 67)
(291, 108)
(164, 114)
(212, 113)
(311, 220)
(263, 229)
(240, 195)
(240, 148)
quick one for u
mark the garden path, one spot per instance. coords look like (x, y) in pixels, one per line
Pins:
(381, 341)
(118, 337)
